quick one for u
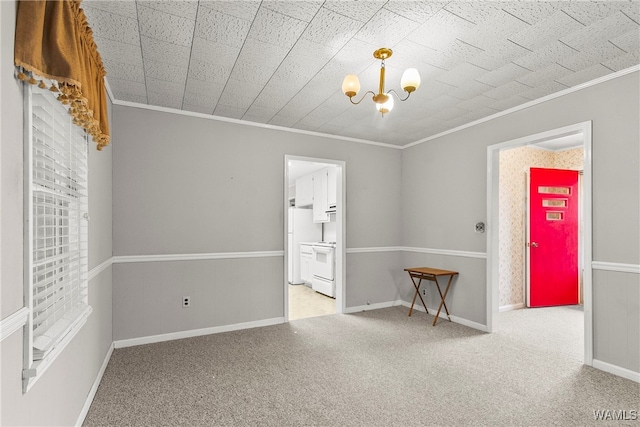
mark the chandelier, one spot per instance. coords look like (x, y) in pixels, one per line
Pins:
(384, 101)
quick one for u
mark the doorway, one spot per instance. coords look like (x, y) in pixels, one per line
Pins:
(314, 233)
(496, 301)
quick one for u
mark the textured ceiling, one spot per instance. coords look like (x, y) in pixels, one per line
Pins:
(282, 62)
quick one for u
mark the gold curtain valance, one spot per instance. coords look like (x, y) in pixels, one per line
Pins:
(54, 42)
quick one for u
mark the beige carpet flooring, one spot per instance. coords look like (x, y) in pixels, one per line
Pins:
(305, 302)
(560, 329)
(375, 368)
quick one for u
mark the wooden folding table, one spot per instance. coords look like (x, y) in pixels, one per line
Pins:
(430, 274)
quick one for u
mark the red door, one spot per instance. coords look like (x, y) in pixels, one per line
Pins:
(553, 237)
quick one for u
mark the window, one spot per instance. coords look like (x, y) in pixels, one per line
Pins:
(56, 229)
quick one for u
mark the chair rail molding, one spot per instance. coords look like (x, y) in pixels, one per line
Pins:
(433, 251)
(195, 256)
(100, 268)
(17, 320)
(616, 266)
(13, 322)
(448, 252)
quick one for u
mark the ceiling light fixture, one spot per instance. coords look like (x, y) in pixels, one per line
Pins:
(384, 101)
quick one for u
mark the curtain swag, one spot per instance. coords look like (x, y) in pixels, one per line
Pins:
(55, 43)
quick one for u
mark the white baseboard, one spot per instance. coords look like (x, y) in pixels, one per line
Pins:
(617, 370)
(196, 332)
(443, 317)
(511, 307)
(376, 306)
(432, 310)
(467, 322)
(94, 388)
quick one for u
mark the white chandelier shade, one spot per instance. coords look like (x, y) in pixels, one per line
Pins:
(386, 106)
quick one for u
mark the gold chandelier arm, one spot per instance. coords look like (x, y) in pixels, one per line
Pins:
(363, 96)
(398, 96)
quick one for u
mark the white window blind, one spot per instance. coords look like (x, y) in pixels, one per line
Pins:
(57, 228)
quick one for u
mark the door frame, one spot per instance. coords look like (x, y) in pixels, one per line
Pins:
(341, 225)
(493, 165)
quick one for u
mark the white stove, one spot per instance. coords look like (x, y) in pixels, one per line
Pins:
(325, 244)
(323, 267)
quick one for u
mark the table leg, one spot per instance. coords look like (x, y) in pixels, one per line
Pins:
(416, 293)
(417, 286)
(442, 297)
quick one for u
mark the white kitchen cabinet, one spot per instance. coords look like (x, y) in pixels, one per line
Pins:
(306, 256)
(304, 191)
(332, 193)
(320, 206)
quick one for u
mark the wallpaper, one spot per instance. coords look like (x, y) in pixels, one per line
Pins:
(514, 164)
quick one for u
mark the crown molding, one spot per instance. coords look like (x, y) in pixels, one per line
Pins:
(253, 124)
(109, 92)
(529, 104)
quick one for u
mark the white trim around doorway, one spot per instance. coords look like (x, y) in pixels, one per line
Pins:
(493, 156)
(341, 222)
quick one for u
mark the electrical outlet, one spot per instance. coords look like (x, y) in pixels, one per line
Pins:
(424, 292)
(186, 302)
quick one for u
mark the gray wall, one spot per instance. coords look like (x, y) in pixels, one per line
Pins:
(185, 185)
(58, 396)
(11, 171)
(147, 296)
(366, 269)
(426, 196)
(444, 188)
(188, 185)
